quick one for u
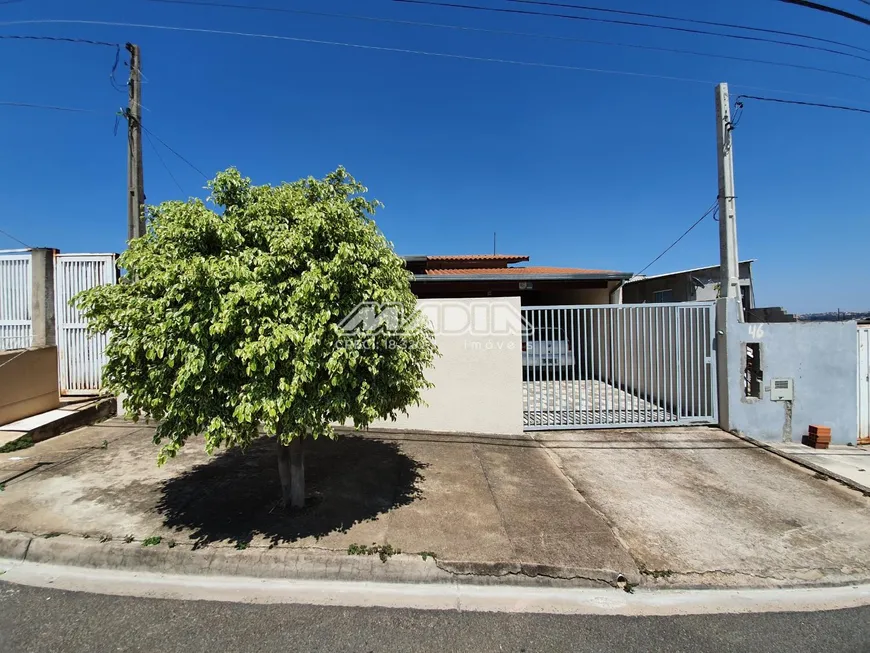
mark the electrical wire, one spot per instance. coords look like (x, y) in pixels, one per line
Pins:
(28, 105)
(829, 10)
(164, 144)
(65, 39)
(379, 48)
(737, 101)
(21, 353)
(17, 240)
(163, 163)
(685, 233)
(611, 21)
(694, 21)
(570, 39)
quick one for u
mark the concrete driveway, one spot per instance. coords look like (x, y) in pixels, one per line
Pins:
(699, 506)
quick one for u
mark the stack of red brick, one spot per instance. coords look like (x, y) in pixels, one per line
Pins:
(819, 437)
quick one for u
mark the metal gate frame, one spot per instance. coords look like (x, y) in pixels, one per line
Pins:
(16, 328)
(863, 382)
(80, 355)
(630, 365)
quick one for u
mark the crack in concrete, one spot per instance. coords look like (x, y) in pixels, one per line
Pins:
(762, 575)
(525, 573)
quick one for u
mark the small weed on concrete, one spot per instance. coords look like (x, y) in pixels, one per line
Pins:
(241, 546)
(105, 444)
(2, 487)
(383, 551)
(48, 536)
(154, 540)
(24, 442)
(655, 573)
(128, 539)
(629, 587)
(105, 538)
(427, 554)
(821, 477)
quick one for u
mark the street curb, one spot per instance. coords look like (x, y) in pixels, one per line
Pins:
(805, 463)
(287, 562)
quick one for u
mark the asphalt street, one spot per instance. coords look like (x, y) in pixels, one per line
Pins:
(34, 620)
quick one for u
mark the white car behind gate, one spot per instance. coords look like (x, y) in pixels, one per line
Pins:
(546, 349)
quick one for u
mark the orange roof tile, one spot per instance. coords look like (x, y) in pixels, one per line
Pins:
(480, 257)
(519, 270)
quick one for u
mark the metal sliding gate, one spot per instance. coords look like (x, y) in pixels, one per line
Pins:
(81, 355)
(618, 366)
(15, 326)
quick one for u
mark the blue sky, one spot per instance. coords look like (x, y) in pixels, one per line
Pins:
(575, 168)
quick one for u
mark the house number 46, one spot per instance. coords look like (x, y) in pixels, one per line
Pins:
(756, 331)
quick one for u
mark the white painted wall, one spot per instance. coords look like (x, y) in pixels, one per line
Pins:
(478, 378)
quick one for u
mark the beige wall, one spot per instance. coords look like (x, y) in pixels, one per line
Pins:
(28, 383)
(478, 378)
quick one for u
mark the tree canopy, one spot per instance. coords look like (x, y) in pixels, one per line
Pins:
(230, 315)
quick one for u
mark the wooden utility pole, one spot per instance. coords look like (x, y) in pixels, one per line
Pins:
(135, 182)
(729, 266)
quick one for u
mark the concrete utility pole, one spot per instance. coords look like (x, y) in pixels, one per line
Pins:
(135, 182)
(728, 264)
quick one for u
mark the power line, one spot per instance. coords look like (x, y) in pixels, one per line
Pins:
(17, 240)
(162, 162)
(28, 105)
(379, 48)
(685, 233)
(611, 21)
(164, 144)
(553, 37)
(65, 39)
(829, 10)
(805, 104)
(694, 21)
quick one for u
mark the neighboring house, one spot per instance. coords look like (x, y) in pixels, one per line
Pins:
(700, 284)
(498, 275)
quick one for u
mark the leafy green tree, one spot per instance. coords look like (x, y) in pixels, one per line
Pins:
(230, 319)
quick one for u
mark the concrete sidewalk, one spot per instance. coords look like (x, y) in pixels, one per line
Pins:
(851, 464)
(485, 506)
(699, 507)
(676, 507)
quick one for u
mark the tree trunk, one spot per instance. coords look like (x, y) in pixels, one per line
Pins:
(291, 469)
(284, 471)
(297, 473)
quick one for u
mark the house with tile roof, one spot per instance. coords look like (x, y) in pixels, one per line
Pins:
(502, 275)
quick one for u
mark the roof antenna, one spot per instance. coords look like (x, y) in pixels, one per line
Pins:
(493, 243)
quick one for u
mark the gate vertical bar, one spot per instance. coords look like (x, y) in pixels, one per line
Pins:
(575, 362)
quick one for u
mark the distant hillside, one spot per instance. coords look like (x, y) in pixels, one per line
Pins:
(833, 316)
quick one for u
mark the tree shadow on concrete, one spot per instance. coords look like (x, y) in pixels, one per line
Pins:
(236, 495)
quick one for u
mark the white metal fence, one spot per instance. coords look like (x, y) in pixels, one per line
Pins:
(864, 382)
(81, 356)
(16, 331)
(618, 366)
